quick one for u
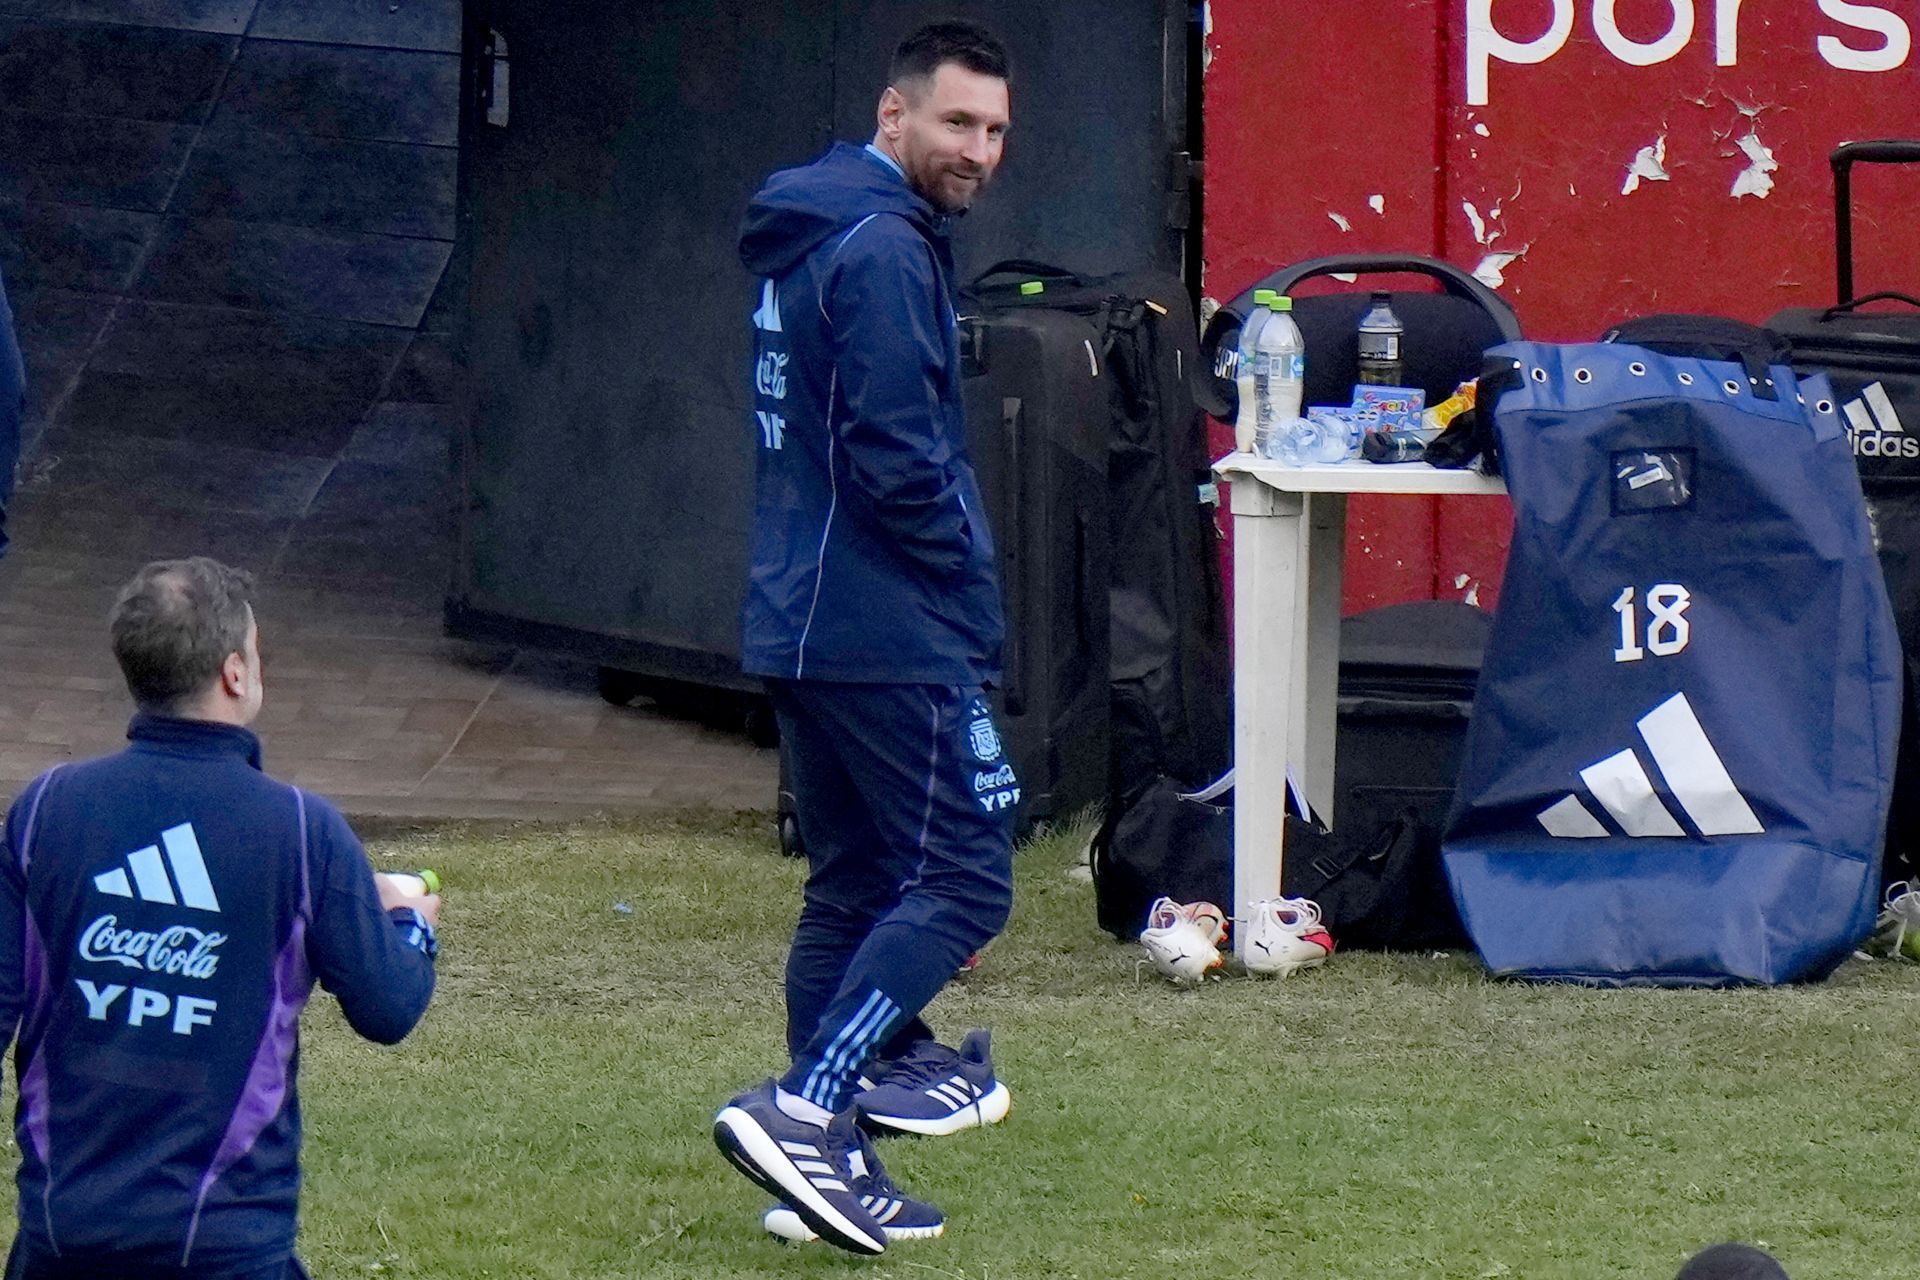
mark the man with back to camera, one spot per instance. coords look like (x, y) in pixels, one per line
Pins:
(164, 913)
(873, 611)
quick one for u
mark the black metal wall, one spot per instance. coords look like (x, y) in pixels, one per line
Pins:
(608, 153)
(224, 225)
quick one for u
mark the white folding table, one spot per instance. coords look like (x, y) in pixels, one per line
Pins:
(1289, 536)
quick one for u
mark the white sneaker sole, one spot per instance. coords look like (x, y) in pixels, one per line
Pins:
(991, 1108)
(757, 1154)
(1282, 967)
(788, 1225)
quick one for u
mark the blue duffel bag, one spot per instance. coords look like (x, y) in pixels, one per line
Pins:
(1681, 751)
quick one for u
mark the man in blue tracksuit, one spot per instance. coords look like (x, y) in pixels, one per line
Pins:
(873, 611)
(164, 914)
(13, 393)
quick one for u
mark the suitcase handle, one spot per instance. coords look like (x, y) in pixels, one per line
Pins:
(1222, 398)
(1012, 415)
(1453, 279)
(1844, 157)
(1885, 295)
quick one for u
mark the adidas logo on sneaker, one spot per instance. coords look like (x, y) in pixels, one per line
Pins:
(1183, 939)
(1285, 935)
(933, 1090)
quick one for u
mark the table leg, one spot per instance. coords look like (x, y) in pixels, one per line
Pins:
(1267, 563)
(1316, 693)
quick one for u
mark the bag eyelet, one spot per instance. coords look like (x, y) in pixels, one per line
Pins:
(1539, 375)
(1686, 379)
(1825, 406)
(1637, 369)
(1732, 388)
(1583, 375)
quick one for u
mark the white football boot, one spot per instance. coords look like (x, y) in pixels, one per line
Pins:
(1284, 935)
(1183, 939)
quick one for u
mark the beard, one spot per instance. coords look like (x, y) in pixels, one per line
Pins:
(950, 190)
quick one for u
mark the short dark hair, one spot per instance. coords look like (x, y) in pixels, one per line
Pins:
(1732, 1262)
(951, 40)
(173, 626)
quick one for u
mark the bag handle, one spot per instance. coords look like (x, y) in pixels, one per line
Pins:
(1028, 269)
(1452, 278)
(1844, 157)
(1885, 295)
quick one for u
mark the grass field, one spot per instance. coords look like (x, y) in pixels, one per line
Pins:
(1388, 1116)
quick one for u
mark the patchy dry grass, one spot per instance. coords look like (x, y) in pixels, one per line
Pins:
(1389, 1116)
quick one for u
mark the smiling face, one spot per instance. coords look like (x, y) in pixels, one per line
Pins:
(947, 132)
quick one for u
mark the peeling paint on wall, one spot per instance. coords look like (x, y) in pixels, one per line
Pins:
(1756, 179)
(1492, 269)
(1339, 221)
(1473, 217)
(1378, 204)
(1483, 131)
(1650, 163)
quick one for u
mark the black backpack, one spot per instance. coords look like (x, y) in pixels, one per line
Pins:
(1178, 844)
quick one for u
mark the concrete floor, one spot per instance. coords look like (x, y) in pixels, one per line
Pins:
(367, 703)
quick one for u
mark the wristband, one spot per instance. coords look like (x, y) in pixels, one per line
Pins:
(416, 931)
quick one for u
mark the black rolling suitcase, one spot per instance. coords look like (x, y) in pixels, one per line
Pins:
(1872, 357)
(1036, 396)
(1170, 673)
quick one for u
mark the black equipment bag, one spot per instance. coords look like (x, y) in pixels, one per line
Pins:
(1869, 348)
(1169, 670)
(1446, 333)
(1407, 679)
(1037, 397)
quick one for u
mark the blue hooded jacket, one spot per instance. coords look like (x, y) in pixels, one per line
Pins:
(871, 560)
(164, 915)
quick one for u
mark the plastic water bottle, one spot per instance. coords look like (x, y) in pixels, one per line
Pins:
(1245, 426)
(1255, 321)
(1382, 340)
(1303, 442)
(1279, 374)
(413, 885)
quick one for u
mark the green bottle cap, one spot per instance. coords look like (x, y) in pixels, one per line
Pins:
(1282, 302)
(1264, 297)
(431, 879)
(1031, 287)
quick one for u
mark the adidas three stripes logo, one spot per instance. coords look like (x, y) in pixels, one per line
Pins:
(955, 1094)
(145, 875)
(1695, 776)
(811, 1161)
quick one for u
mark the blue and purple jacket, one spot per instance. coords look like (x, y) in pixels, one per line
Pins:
(164, 913)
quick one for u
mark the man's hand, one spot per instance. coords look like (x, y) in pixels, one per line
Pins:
(391, 897)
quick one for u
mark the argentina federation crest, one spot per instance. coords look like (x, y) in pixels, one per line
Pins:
(984, 740)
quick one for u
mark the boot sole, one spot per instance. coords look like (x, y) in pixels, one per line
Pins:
(758, 1155)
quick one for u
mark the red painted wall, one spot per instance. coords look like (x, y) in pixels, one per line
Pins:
(1534, 112)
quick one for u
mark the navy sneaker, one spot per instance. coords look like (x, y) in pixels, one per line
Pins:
(900, 1216)
(803, 1164)
(935, 1090)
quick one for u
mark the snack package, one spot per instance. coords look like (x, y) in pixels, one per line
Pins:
(1435, 420)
